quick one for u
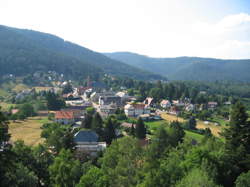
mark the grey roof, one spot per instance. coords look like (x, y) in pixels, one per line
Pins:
(86, 136)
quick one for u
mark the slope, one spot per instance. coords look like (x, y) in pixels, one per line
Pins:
(25, 51)
(189, 68)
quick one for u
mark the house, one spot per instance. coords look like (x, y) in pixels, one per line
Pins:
(212, 105)
(78, 114)
(178, 103)
(165, 104)
(107, 100)
(227, 103)
(190, 107)
(14, 111)
(81, 90)
(87, 143)
(64, 117)
(124, 96)
(136, 109)
(107, 110)
(149, 102)
(96, 95)
(174, 110)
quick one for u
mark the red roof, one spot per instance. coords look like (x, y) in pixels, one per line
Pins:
(64, 115)
(164, 102)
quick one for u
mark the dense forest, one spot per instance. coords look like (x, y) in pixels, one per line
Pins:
(189, 68)
(25, 52)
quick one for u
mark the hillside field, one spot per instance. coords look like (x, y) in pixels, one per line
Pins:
(28, 130)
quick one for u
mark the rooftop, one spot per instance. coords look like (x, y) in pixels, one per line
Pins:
(86, 136)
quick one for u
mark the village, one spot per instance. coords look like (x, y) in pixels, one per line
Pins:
(106, 102)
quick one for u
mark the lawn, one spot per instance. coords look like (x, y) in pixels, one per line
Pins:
(155, 124)
(29, 130)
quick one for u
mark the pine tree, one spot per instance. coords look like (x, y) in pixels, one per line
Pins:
(109, 131)
(192, 123)
(132, 130)
(239, 132)
(97, 124)
(140, 129)
(237, 138)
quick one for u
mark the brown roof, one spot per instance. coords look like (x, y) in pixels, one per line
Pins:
(64, 115)
(138, 105)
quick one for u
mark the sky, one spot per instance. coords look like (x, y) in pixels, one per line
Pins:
(157, 28)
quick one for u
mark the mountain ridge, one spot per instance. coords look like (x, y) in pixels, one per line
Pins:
(25, 51)
(189, 68)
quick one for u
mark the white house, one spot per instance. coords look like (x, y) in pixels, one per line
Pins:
(136, 109)
(165, 104)
(87, 142)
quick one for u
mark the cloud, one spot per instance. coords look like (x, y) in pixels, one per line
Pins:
(228, 38)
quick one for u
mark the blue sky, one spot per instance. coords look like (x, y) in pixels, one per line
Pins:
(158, 28)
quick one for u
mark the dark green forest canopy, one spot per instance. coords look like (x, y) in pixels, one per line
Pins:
(189, 68)
(24, 52)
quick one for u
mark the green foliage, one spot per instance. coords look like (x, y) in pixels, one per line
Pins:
(65, 171)
(67, 89)
(40, 52)
(57, 136)
(243, 180)
(109, 130)
(188, 68)
(54, 102)
(191, 124)
(122, 162)
(196, 178)
(97, 124)
(140, 129)
(26, 110)
(93, 178)
(25, 177)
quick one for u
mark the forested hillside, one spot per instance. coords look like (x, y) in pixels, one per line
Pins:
(25, 51)
(189, 68)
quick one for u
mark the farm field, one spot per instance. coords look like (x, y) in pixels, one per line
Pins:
(29, 130)
(200, 124)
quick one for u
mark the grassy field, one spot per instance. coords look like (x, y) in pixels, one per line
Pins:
(29, 130)
(171, 118)
(155, 124)
(6, 106)
(200, 124)
(39, 88)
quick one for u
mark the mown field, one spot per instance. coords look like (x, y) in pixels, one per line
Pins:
(28, 130)
(200, 124)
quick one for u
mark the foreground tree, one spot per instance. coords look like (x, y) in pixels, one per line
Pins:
(237, 138)
(65, 171)
(196, 178)
(7, 159)
(122, 162)
(243, 180)
(93, 178)
(57, 137)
